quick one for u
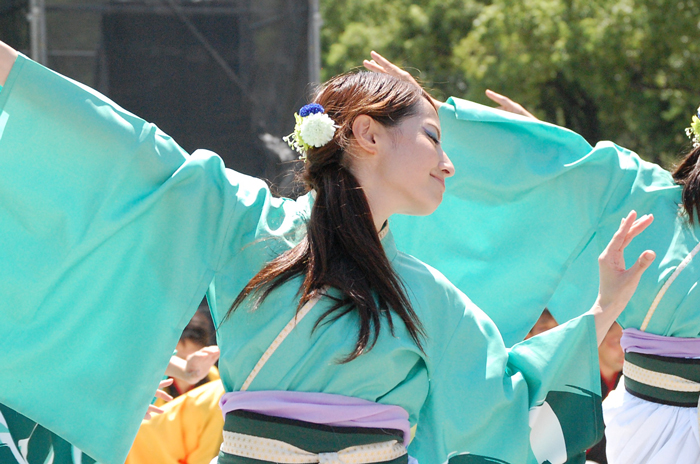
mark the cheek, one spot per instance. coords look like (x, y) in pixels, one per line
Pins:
(403, 167)
(418, 162)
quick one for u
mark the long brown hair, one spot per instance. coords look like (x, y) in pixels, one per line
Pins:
(342, 249)
(687, 174)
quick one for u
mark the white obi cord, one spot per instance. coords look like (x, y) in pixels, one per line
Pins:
(266, 449)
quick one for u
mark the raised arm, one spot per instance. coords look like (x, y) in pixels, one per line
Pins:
(380, 64)
(506, 104)
(8, 55)
(617, 283)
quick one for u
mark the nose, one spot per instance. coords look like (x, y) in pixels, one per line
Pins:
(446, 165)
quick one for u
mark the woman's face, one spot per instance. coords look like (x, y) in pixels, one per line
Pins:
(413, 166)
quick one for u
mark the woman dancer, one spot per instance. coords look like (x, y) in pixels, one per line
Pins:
(569, 195)
(110, 229)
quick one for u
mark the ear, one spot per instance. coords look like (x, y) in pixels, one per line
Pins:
(365, 131)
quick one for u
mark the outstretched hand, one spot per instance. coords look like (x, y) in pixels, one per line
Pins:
(152, 410)
(617, 283)
(381, 65)
(506, 104)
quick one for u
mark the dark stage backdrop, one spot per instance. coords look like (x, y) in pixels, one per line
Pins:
(223, 75)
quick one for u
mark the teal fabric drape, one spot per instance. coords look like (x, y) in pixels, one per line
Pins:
(108, 230)
(529, 210)
(110, 235)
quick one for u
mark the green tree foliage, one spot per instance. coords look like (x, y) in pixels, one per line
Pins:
(623, 70)
(419, 34)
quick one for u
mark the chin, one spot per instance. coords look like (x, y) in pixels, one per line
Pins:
(425, 209)
(422, 206)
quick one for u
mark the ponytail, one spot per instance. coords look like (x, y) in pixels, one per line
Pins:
(342, 249)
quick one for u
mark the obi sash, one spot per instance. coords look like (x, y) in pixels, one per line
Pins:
(327, 435)
(251, 438)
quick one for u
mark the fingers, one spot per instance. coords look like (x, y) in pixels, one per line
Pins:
(642, 264)
(160, 393)
(386, 64)
(618, 239)
(381, 64)
(163, 395)
(207, 354)
(151, 411)
(211, 350)
(497, 97)
(506, 104)
(637, 228)
(617, 283)
(373, 66)
(630, 227)
(165, 383)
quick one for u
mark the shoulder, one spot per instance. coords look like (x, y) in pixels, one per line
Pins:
(418, 275)
(248, 192)
(439, 304)
(628, 168)
(452, 322)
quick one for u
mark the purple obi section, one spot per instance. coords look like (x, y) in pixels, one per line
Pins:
(320, 408)
(646, 343)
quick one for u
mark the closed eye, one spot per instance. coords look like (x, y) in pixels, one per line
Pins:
(432, 136)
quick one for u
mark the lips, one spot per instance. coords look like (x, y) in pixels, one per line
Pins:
(442, 181)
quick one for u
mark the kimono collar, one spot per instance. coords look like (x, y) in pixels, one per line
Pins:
(388, 243)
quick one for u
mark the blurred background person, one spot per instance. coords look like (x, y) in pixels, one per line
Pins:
(543, 324)
(189, 431)
(196, 353)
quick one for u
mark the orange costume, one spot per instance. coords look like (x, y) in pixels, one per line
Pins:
(188, 432)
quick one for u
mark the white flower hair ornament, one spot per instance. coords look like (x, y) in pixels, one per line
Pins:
(313, 129)
(693, 132)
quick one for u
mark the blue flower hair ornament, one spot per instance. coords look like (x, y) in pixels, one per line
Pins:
(311, 108)
(313, 129)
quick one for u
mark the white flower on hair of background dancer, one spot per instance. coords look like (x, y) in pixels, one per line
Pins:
(693, 132)
(313, 129)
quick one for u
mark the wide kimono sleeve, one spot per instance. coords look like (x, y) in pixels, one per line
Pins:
(526, 201)
(537, 402)
(109, 237)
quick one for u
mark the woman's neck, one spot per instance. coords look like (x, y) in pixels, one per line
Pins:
(378, 207)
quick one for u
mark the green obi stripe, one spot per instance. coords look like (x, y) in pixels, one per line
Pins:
(474, 459)
(681, 367)
(310, 437)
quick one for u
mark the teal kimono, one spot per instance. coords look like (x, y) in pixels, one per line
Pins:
(109, 229)
(529, 210)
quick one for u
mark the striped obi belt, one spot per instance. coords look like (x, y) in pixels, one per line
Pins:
(304, 427)
(299, 427)
(660, 369)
